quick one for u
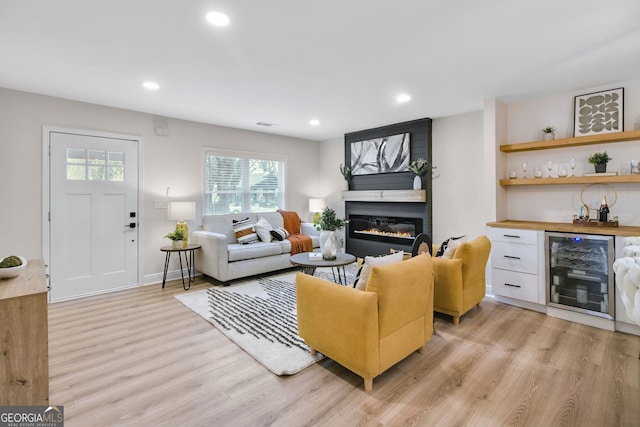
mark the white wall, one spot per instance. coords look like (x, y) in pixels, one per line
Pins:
(558, 203)
(174, 161)
(331, 181)
(459, 196)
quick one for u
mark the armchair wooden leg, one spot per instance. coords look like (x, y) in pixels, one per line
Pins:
(456, 320)
(313, 351)
(368, 384)
(421, 350)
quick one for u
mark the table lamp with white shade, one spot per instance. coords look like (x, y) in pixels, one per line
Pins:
(316, 206)
(181, 212)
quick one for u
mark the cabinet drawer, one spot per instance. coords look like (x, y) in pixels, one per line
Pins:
(510, 256)
(513, 284)
(515, 235)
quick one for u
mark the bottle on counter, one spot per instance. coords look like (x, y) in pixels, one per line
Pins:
(604, 210)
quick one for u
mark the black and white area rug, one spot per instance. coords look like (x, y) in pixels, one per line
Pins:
(259, 315)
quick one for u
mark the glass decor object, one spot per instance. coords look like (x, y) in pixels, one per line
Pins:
(537, 173)
(562, 171)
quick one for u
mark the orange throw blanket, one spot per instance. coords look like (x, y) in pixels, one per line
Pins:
(299, 242)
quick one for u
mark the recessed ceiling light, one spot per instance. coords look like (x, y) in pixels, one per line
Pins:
(402, 98)
(314, 122)
(151, 85)
(218, 19)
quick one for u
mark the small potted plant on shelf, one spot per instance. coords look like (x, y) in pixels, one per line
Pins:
(599, 161)
(419, 167)
(177, 239)
(346, 174)
(548, 133)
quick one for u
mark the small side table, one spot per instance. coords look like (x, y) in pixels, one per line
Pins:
(189, 259)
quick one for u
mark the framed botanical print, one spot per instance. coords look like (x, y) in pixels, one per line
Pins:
(381, 155)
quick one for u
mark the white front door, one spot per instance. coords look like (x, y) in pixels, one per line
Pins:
(93, 208)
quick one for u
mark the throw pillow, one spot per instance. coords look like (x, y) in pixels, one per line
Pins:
(452, 246)
(370, 262)
(279, 233)
(244, 231)
(263, 229)
(444, 245)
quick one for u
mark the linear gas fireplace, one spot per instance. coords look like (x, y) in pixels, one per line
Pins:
(375, 228)
(391, 229)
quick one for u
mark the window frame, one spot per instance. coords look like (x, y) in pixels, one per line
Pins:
(246, 184)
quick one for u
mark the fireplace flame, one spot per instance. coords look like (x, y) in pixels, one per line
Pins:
(375, 231)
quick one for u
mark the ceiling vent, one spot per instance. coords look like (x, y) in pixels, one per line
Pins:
(265, 124)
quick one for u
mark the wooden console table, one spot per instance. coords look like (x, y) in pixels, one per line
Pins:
(24, 333)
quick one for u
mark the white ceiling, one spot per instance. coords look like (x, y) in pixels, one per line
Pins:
(339, 61)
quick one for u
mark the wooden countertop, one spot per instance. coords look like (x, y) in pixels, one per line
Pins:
(31, 281)
(567, 227)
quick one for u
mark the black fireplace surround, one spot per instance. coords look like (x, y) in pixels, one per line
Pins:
(373, 225)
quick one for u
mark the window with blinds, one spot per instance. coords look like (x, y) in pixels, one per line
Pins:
(237, 183)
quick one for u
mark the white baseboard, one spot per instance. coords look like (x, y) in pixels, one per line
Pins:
(154, 278)
(522, 304)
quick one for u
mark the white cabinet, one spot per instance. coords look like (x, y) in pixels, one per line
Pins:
(517, 264)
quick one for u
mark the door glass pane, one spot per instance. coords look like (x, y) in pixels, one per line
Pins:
(76, 172)
(116, 166)
(76, 155)
(97, 162)
(76, 160)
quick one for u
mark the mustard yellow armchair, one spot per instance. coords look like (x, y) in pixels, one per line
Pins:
(369, 331)
(460, 282)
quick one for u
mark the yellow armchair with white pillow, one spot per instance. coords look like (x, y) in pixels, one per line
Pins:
(369, 331)
(460, 276)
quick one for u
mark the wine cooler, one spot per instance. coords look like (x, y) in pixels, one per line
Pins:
(579, 273)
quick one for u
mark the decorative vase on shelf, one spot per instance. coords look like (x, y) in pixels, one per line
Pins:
(328, 244)
(548, 136)
(417, 183)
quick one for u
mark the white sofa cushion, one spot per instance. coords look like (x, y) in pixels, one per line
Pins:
(239, 252)
(224, 223)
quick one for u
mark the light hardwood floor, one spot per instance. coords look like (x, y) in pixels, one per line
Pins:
(141, 358)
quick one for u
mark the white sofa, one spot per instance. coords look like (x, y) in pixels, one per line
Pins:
(224, 259)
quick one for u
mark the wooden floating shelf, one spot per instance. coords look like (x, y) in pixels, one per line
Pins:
(632, 135)
(385, 196)
(571, 180)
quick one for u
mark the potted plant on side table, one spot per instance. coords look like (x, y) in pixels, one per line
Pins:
(599, 161)
(177, 239)
(328, 223)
